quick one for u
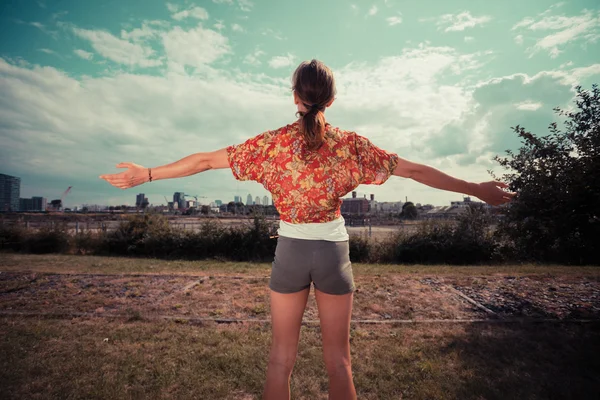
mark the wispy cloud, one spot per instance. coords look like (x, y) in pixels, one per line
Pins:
(194, 12)
(84, 54)
(459, 22)
(119, 50)
(395, 20)
(207, 45)
(219, 25)
(237, 28)
(372, 11)
(282, 61)
(584, 27)
(47, 51)
(245, 5)
(253, 58)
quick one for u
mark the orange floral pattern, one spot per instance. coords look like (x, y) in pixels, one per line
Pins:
(307, 186)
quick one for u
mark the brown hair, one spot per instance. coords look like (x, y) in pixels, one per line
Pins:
(314, 85)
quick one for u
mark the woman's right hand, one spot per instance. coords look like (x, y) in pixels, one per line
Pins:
(491, 192)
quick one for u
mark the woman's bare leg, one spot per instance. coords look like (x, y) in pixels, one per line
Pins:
(335, 312)
(286, 318)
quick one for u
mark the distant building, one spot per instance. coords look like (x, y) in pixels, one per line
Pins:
(389, 207)
(257, 201)
(237, 199)
(265, 201)
(139, 199)
(179, 198)
(33, 204)
(10, 190)
(355, 205)
(249, 201)
(218, 203)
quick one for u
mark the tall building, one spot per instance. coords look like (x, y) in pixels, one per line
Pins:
(237, 199)
(10, 190)
(139, 199)
(218, 203)
(25, 204)
(39, 203)
(249, 201)
(257, 201)
(33, 204)
(179, 198)
(265, 201)
(355, 205)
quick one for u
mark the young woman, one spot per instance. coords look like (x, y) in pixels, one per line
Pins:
(308, 166)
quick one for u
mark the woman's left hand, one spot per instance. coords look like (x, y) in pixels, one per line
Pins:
(134, 176)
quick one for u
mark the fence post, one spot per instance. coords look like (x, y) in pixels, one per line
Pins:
(76, 227)
(27, 225)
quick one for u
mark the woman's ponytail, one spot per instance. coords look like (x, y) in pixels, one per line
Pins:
(314, 85)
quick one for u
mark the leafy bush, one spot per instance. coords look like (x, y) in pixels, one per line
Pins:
(555, 216)
(54, 239)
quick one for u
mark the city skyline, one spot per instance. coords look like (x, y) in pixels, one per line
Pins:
(154, 82)
(178, 197)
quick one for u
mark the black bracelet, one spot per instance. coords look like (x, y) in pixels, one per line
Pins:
(150, 173)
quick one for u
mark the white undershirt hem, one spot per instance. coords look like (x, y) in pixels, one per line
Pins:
(334, 231)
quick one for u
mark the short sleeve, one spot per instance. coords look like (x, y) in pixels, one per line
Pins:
(375, 164)
(249, 159)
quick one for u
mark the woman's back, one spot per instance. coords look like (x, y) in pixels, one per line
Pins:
(307, 185)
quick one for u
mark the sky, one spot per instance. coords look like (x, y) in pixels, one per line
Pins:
(88, 85)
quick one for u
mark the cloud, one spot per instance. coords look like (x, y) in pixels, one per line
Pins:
(118, 50)
(528, 106)
(461, 21)
(584, 27)
(151, 120)
(245, 5)
(395, 20)
(195, 47)
(354, 8)
(253, 58)
(519, 39)
(48, 51)
(372, 11)
(219, 25)
(84, 54)
(172, 7)
(44, 29)
(469, 39)
(501, 103)
(272, 33)
(194, 12)
(282, 61)
(237, 28)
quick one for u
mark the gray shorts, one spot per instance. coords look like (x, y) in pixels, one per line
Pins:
(298, 262)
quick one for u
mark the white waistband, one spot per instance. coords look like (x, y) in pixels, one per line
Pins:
(334, 231)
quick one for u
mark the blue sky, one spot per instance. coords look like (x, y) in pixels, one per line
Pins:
(87, 85)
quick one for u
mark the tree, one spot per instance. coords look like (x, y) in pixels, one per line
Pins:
(555, 216)
(409, 210)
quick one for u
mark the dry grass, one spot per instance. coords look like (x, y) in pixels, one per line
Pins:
(57, 359)
(133, 356)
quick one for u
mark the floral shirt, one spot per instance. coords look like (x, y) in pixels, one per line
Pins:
(307, 186)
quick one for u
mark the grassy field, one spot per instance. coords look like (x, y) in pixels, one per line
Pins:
(137, 338)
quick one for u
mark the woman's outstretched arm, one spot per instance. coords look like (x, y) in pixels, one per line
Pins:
(190, 165)
(489, 192)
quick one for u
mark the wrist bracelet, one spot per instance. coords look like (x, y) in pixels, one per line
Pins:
(150, 174)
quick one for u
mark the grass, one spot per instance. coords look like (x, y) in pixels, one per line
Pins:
(57, 263)
(58, 359)
(134, 357)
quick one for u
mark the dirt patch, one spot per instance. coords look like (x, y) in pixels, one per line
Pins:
(393, 297)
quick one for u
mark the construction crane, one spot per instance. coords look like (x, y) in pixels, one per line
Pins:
(195, 197)
(56, 205)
